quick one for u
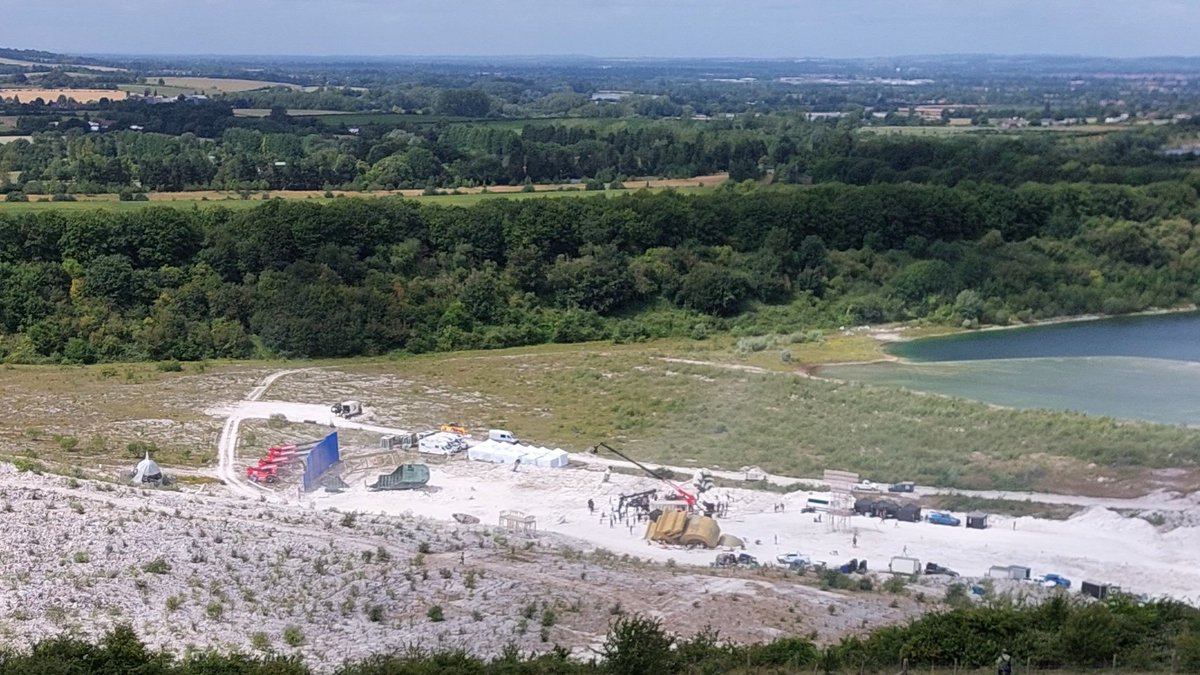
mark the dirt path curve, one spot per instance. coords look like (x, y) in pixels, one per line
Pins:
(227, 444)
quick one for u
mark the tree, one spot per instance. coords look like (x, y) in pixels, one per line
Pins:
(712, 289)
(638, 645)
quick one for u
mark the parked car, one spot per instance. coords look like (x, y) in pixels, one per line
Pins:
(792, 558)
(905, 486)
(939, 518)
(867, 486)
(1051, 580)
(934, 568)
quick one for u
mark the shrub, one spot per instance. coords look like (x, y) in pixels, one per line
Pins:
(637, 645)
(157, 566)
(435, 613)
(260, 641)
(293, 636)
(215, 610)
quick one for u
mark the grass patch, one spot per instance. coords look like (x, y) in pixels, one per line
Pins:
(1006, 507)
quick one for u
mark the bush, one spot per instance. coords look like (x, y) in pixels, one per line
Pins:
(260, 641)
(435, 613)
(169, 366)
(63, 197)
(15, 197)
(157, 566)
(293, 636)
(215, 610)
(637, 645)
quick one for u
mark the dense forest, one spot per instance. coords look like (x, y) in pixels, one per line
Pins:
(356, 276)
(1058, 634)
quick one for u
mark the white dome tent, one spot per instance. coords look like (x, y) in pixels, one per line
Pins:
(147, 471)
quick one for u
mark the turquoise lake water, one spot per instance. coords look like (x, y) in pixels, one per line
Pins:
(1145, 367)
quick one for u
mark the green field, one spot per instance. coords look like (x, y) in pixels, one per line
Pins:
(447, 199)
(162, 90)
(514, 124)
(114, 205)
(684, 402)
(1081, 130)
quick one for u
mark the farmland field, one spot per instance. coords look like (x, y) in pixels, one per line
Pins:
(215, 85)
(466, 196)
(79, 95)
(263, 112)
(1082, 129)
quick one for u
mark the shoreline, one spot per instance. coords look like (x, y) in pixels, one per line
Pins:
(895, 333)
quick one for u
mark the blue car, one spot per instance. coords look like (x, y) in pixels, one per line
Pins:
(939, 518)
(1049, 580)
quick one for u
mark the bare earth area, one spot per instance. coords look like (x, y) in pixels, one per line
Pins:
(218, 561)
(190, 570)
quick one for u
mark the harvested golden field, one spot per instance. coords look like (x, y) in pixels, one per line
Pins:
(218, 85)
(78, 95)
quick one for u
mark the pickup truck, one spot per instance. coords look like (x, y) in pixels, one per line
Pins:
(939, 518)
(1051, 580)
(866, 486)
(793, 558)
(934, 568)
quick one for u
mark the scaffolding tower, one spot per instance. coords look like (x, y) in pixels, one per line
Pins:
(841, 499)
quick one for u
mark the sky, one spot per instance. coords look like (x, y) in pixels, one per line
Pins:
(688, 28)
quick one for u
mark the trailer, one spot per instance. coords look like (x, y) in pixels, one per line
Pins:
(1010, 572)
(1098, 591)
(904, 565)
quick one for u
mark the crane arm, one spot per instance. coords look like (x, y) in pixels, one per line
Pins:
(687, 496)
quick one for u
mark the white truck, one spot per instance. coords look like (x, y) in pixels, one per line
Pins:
(502, 436)
(347, 409)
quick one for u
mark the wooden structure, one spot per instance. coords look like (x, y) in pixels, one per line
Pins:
(517, 522)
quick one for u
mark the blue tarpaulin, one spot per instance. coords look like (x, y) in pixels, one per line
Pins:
(323, 455)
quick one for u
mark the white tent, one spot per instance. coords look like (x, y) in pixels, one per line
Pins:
(508, 453)
(147, 471)
(441, 443)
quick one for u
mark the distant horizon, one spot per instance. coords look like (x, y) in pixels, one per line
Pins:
(583, 56)
(751, 29)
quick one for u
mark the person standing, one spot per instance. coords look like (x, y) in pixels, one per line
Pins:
(591, 506)
(1004, 664)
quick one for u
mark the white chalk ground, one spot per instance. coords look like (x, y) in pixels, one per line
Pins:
(1097, 544)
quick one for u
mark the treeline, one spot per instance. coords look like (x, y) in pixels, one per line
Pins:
(356, 277)
(189, 146)
(1156, 637)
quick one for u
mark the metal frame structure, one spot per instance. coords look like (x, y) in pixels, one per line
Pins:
(841, 499)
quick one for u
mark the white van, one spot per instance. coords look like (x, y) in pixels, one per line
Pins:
(501, 436)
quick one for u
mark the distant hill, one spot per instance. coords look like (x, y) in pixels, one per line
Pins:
(36, 56)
